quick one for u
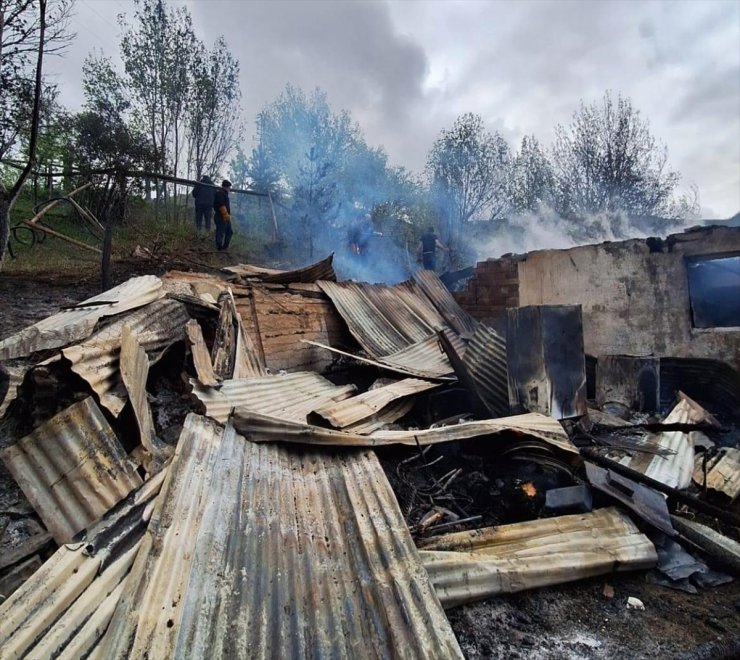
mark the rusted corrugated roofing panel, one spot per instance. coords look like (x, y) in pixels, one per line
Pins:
(134, 373)
(74, 324)
(471, 566)
(414, 299)
(371, 403)
(72, 469)
(426, 358)
(392, 306)
(97, 360)
(433, 364)
(199, 351)
(321, 270)
(259, 551)
(722, 472)
(674, 466)
(290, 397)
(456, 317)
(15, 375)
(204, 286)
(391, 413)
(374, 332)
(64, 608)
(485, 359)
(262, 428)
(234, 355)
(63, 594)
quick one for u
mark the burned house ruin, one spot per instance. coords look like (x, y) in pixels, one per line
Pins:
(259, 463)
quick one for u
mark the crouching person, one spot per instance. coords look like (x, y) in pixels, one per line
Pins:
(222, 216)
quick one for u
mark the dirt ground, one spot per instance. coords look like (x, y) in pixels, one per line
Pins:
(570, 621)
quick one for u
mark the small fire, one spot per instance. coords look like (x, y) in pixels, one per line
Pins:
(529, 489)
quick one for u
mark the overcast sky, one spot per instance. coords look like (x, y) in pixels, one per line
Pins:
(406, 69)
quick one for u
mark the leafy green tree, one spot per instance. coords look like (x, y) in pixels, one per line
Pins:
(23, 31)
(468, 170)
(104, 134)
(157, 51)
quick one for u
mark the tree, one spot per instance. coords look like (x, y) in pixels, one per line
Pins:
(213, 125)
(315, 204)
(21, 30)
(104, 136)
(468, 168)
(531, 184)
(607, 161)
(157, 51)
(8, 198)
(302, 150)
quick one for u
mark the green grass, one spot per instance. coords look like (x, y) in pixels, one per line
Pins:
(173, 241)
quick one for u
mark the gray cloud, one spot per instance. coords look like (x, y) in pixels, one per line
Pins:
(405, 70)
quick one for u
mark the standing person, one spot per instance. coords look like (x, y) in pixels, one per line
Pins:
(427, 250)
(359, 235)
(222, 216)
(203, 193)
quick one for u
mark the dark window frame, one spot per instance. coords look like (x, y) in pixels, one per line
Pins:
(694, 295)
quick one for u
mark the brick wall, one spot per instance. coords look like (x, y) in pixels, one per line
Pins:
(493, 287)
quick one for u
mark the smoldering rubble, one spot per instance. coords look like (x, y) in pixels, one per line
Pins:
(263, 463)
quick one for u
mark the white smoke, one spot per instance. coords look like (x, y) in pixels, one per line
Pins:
(546, 230)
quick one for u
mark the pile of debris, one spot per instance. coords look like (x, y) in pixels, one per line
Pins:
(264, 463)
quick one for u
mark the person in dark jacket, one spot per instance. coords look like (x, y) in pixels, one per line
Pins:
(222, 216)
(427, 251)
(203, 193)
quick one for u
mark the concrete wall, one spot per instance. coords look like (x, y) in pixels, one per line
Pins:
(635, 300)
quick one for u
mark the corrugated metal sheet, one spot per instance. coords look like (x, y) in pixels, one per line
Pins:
(485, 359)
(77, 323)
(262, 428)
(398, 325)
(234, 355)
(134, 372)
(370, 404)
(456, 317)
(64, 593)
(391, 413)
(72, 469)
(471, 566)
(675, 465)
(289, 397)
(199, 351)
(207, 288)
(321, 270)
(426, 358)
(64, 608)
(258, 551)
(427, 349)
(15, 375)
(722, 472)
(712, 382)
(375, 332)
(97, 360)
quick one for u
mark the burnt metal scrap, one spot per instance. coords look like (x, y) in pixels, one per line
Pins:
(309, 436)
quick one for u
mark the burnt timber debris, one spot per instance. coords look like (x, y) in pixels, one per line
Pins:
(262, 462)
